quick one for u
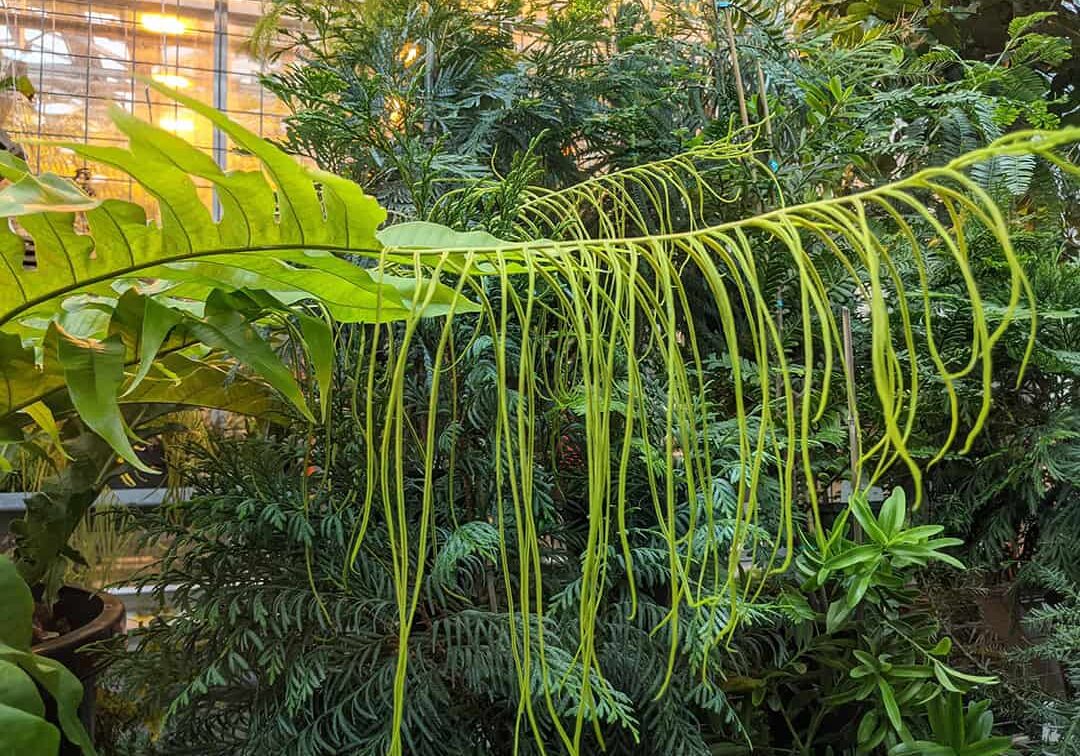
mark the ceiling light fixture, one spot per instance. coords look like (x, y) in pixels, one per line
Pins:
(174, 81)
(177, 125)
(161, 23)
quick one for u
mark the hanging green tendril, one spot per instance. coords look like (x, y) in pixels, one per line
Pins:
(604, 266)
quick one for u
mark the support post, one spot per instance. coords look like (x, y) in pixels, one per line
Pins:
(853, 424)
(740, 89)
(219, 147)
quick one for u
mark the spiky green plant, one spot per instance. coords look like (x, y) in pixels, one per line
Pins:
(613, 309)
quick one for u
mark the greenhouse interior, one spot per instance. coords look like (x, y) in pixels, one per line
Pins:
(529, 377)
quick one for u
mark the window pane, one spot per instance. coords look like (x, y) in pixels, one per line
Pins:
(99, 125)
(109, 84)
(62, 114)
(112, 42)
(246, 93)
(193, 82)
(190, 49)
(85, 56)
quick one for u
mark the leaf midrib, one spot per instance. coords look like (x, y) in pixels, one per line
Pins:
(127, 271)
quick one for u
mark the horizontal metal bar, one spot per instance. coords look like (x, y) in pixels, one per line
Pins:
(132, 497)
(138, 591)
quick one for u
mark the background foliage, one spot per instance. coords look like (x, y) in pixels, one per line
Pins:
(438, 113)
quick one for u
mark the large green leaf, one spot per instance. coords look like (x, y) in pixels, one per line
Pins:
(40, 413)
(67, 692)
(174, 377)
(225, 327)
(33, 194)
(25, 734)
(21, 382)
(319, 338)
(93, 374)
(18, 604)
(288, 230)
(18, 690)
(157, 322)
(202, 381)
(122, 245)
(22, 730)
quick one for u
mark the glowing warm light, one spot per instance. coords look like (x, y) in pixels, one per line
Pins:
(172, 80)
(409, 53)
(395, 112)
(161, 23)
(177, 125)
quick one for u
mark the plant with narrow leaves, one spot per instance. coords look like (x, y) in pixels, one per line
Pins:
(1055, 626)
(902, 683)
(889, 659)
(881, 562)
(956, 731)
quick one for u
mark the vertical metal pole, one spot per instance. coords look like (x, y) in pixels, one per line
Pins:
(853, 430)
(221, 87)
(41, 88)
(131, 35)
(86, 91)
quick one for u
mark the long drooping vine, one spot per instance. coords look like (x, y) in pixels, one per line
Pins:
(597, 308)
(620, 308)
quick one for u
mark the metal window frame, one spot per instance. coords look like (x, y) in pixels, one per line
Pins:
(22, 17)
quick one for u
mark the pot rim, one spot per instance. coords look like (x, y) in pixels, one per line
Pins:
(112, 609)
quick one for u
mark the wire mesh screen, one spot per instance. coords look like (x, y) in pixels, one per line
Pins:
(81, 58)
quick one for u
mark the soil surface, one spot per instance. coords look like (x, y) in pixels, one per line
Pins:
(47, 625)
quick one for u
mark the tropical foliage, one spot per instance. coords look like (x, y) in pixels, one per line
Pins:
(560, 413)
(126, 313)
(1056, 624)
(300, 657)
(24, 676)
(610, 370)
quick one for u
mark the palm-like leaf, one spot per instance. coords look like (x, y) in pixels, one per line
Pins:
(620, 303)
(277, 228)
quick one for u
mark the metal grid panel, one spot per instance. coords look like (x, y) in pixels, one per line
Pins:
(84, 56)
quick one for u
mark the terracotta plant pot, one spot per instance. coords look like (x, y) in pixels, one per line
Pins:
(95, 617)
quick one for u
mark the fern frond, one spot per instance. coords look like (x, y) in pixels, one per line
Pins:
(625, 294)
(279, 227)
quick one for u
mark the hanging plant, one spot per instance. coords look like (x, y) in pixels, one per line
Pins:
(616, 303)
